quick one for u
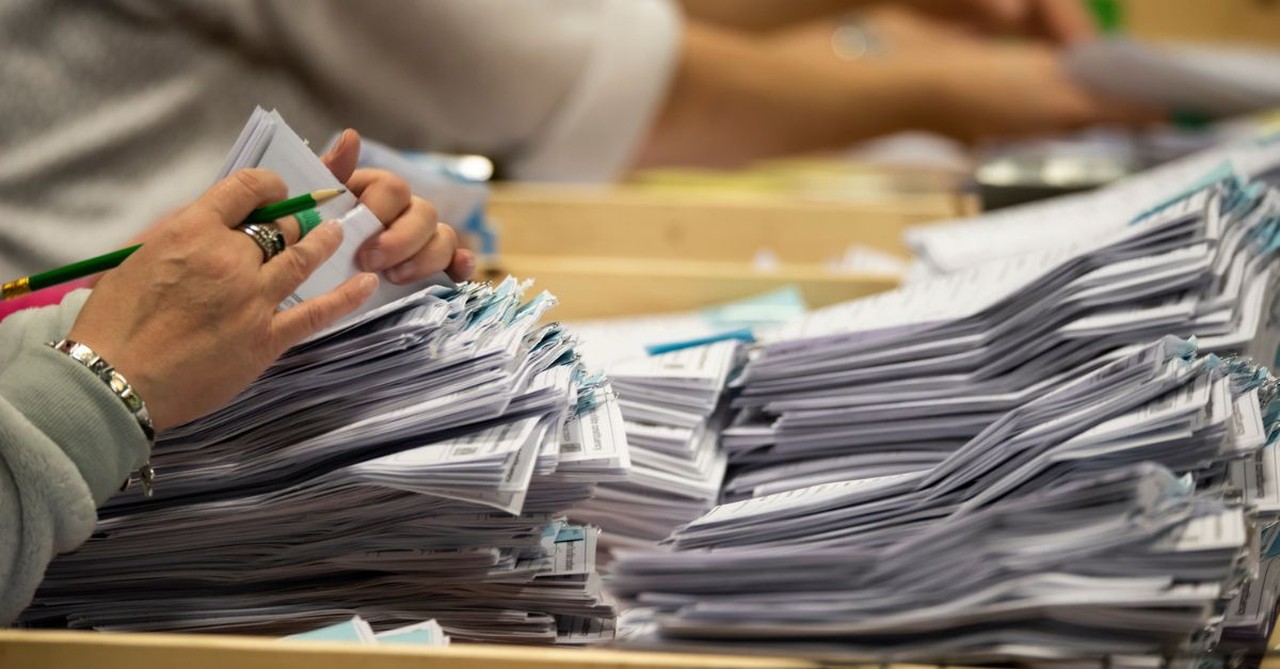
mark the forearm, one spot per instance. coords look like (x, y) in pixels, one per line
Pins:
(66, 442)
(733, 100)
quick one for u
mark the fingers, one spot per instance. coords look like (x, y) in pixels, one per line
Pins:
(291, 229)
(404, 238)
(231, 199)
(293, 325)
(384, 193)
(463, 265)
(341, 159)
(436, 256)
(285, 272)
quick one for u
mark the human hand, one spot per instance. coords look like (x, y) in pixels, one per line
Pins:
(414, 245)
(190, 318)
(978, 90)
(935, 77)
(890, 31)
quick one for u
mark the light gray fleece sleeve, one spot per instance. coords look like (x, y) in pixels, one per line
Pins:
(66, 443)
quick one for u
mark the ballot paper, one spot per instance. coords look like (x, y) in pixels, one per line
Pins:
(413, 462)
(268, 142)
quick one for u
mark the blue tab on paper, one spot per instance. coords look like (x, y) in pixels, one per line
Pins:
(570, 533)
(771, 308)
(418, 637)
(743, 335)
(1218, 174)
(346, 630)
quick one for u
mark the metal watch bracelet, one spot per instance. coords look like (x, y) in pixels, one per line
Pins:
(118, 385)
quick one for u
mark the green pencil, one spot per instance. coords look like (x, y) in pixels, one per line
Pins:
(102, 263)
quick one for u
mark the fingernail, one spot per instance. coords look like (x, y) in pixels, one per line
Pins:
(374, 259)
(368, 281)
(342, 139)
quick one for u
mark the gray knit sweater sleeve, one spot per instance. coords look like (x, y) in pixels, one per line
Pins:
(66, 443)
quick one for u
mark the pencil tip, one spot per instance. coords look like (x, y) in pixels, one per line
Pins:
(327, 193)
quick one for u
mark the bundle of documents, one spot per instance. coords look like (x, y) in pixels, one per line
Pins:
(918, 473)
(375, 470)
(1095, 522)
(413, 462)
(670, 371)
(896, 382)
(669, 403)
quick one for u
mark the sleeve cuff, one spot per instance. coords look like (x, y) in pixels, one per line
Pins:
(607, 114)
(78, 412)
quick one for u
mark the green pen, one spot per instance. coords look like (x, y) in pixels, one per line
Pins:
(304, 205)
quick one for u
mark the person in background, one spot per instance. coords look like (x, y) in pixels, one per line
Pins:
(968, 69)
(185, 323)
(117, 111)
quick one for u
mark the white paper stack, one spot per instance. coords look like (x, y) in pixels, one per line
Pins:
(1060, 533)
(404, 465)
(375, 470)
(669, 403)
(896, 382)
(999, 464)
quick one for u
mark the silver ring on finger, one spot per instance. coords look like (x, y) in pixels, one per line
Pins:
(267, 236)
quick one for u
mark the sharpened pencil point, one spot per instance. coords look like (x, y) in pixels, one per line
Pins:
(326, 193)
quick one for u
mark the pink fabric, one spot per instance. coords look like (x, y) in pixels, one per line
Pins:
(40, 298)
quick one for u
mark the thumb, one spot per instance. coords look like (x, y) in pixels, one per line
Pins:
(341, 159)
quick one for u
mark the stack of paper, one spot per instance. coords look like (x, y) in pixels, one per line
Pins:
(413, 462)
(1059, 533)
(983, 466)
(669, 404)
(670, 371)
(896, 382)
(374, 470)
